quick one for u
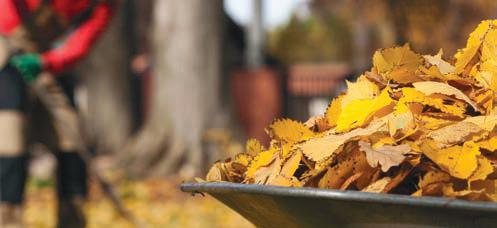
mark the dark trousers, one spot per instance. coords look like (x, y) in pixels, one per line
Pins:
(21, 121)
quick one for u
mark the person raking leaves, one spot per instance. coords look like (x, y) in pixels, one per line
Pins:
(39, 36)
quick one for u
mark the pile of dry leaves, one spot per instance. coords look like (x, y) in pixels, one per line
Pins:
(415, 124)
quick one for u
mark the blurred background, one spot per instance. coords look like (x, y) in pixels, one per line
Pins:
(173, 86)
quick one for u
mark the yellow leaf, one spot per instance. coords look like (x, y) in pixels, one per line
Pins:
(284, 181)
(459, 161)
(404, 76)
(432, 123)
(466, 56)
(319, 149)
(489, 144)
(215, 173)
(484, 98)
(333, 111)
(429, 88)
(383, 141)
(242, 159)
(289, 131)
(484, 169)
(262, 159)
(403, 122)
(489, 46)
(478, 35)
(432, 183)
(317, 123)
(432, 72)
(253, 147)
(411, 95)
(267, 174)
(432, 177)
(480, 195)
(385, 60)
(359, 112)
(291, 165)
(465, 59)
(359, 90)
(436, 60)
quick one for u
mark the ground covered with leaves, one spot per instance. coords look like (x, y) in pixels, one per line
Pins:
(414, 124)
(154, 202)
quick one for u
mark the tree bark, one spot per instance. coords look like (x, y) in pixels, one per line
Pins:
(104, 94)
(186, 81)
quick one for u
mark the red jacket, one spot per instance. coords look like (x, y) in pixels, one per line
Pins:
(77, 44)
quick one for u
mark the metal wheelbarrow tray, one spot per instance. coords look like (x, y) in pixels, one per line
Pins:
(271, 206)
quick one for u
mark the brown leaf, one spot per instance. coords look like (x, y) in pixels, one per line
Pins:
(386, 156)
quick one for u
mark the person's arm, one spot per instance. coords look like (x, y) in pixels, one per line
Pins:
(79, 42)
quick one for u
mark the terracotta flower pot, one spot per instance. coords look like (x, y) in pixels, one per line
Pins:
(258, 100)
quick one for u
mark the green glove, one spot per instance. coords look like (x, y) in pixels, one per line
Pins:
(29, 65)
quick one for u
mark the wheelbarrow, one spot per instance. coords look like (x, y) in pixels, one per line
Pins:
(271, 206)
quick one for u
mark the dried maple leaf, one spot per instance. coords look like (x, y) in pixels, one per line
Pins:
(386, 156)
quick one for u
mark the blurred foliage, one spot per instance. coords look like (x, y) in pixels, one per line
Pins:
(155, 203)
(310, 39)
(428, 24)
(334, 29)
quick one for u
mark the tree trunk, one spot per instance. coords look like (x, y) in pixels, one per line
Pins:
(105, 89)
(186, 97)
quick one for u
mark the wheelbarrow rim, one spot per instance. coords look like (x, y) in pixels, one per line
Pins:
(356, 196)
